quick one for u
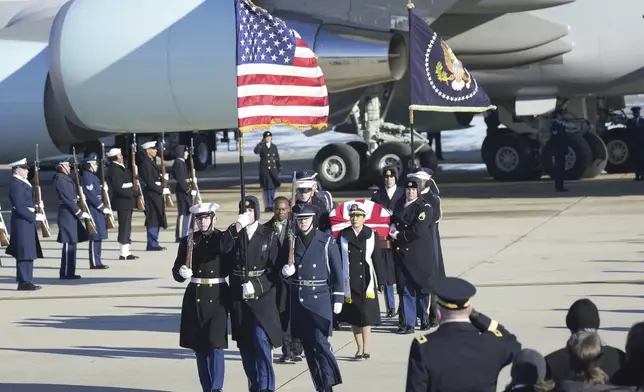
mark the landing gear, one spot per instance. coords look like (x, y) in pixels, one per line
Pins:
(510, 157)
(619, 151)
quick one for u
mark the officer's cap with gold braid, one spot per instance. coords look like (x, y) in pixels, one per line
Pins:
(390, 172)
(452, 293)
(413, 183)
(356, 209)
(267, 133)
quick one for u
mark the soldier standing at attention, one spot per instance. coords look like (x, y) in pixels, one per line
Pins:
(153, 194)
(71, 231)
(465, 343)
(123, 200)
(317, 292)
(92, 191)
(24, 245)
(254, 317)
(558, 134)
(182, 192)
(204, 312)
(269, 169)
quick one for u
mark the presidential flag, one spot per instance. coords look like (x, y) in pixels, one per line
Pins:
(439, 80)
(278, 77)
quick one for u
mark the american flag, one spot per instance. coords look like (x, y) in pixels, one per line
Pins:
(278, 78)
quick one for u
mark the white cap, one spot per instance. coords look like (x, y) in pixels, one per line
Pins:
(204, 208)
(22, 162)
(147, 145)
(113, 152)
(305, 184)
(420, 175)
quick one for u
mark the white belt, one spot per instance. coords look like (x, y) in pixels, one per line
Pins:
(158, 183)
(207, 280)
(32, 209)
(127, 185)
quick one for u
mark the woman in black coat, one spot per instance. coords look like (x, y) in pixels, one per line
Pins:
(363, 274)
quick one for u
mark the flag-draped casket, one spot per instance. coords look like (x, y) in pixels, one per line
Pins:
(377, 218)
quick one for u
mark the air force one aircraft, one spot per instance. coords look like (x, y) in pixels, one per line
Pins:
(74, 71)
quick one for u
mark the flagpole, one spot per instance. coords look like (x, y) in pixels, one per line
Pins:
(410, 7)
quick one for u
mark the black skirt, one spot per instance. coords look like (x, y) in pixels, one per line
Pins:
(361, 312)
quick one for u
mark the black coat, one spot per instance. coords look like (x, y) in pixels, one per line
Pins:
(204, 312)
(23, 243)
(380, 196)
(560, 365)
(282, 292)
(257, 254)
(153, 193)
(121, 187)
(269, 166)
(71, 229)
(182, 188)
(361, 311)
(430, 196)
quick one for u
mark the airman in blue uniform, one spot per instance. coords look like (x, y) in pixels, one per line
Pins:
(317, 292)
(94, 197)
(558, 134)
(24, 245)
(71, 231)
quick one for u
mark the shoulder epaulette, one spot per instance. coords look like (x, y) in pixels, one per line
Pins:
(422, 339)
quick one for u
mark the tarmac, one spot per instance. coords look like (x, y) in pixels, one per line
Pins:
(530, 251)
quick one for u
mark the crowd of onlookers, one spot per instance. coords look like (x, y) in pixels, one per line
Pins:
(585, 363)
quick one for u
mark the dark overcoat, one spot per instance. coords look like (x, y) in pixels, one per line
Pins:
(381, 197)
(255, 255)
(182, 188)
(365, 272)
(152, 193)
(204, 312)
(269, 166)
(71, 230)
(282, 291)
(24, 244)
(431, 197)
(94, 197)
(121, 187)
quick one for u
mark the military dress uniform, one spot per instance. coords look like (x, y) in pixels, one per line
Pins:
(317, 292)
(413, 243)
(558, 134)
(71, 231)
(461, 355)
(182, 192)
(255, 322)
(24, 244)
(153, 193)
(388, 198)
(206, 302)
(322, 219)
(270, 167)
(123, 199)
(324, 199)
(93, 195)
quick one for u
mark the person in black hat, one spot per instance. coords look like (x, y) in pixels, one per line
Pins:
(123, 200)
(560, 140)
(182, 191)
(153, 192)
(270, 167)
(466, 352)
(637, 120)
(636, 124)
(93, 195)
(582, 316)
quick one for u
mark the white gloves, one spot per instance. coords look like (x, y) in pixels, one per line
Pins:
(2, 226)
(337, 307)
(248, 291)
(288, 270)
(166, 177)
(85, 215)
(243, 220)
(185, 272)
(40, 217)
(107, 211)
(106, 187)
(166, 191)
(193, 193)
(41, 205)
(194, 180)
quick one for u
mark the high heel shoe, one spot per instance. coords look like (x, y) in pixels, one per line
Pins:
(366, 356)
(358, 356)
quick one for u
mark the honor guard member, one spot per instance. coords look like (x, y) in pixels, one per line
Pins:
(637, 120)
(254, 317)
(411, 237)
(317, 292)
(466, 352)
(71, 231)
(123, 200)
(388, 196)
(558, 135)
(93, 195)
(153, 194)
(204, 312)
(269, 169)
(24, 245)
(182, 192)
(306, 195)
(318, 193)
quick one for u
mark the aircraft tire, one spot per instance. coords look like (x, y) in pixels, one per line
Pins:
(579, 158)
(600, 155)
(619, 148)
(508, 157)
(364, 180)
(202, 152)
(337, 165)
(388, 154)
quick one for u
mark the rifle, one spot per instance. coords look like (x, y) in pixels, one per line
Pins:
(111, 223)
(164, 182)
(190, 246)
(193, 175)
(4, 233)
(44, 225)
(291, 246)
(89, 222)
(140, 201)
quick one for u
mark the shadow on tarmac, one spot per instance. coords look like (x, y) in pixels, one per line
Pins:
(67, 388)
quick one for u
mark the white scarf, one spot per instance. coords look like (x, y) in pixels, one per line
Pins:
(344, 244)
(250, 229)
(390, 191)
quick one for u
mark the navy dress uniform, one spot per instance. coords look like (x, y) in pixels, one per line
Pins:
(206, 302)
(388, 197)
(153, 193)
(317, 292)
(182, 192)
(464, 353)
(305, 186)
(325, 199)
(123, 200)
(413, 242)
(71, 231)
(24, 245)
(254, 317)
(94, 197)
(558, 134)
(270, 167)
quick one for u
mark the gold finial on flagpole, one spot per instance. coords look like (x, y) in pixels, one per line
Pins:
(410, 4)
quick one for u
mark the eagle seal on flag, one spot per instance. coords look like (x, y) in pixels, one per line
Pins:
(377, 217)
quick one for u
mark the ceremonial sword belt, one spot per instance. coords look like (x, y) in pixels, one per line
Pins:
(309, 283)
(250, 274)
(208, 280)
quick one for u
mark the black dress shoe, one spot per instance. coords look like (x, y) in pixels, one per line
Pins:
(28, 286)
(433, 322)
(99, 267)
(424, 325)
(358, 356)
(155, 248)
(70, 277)
(128, 257)
(408, 330)
(285, 358)
(391, 313)
(296, 357)
(366, 355)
